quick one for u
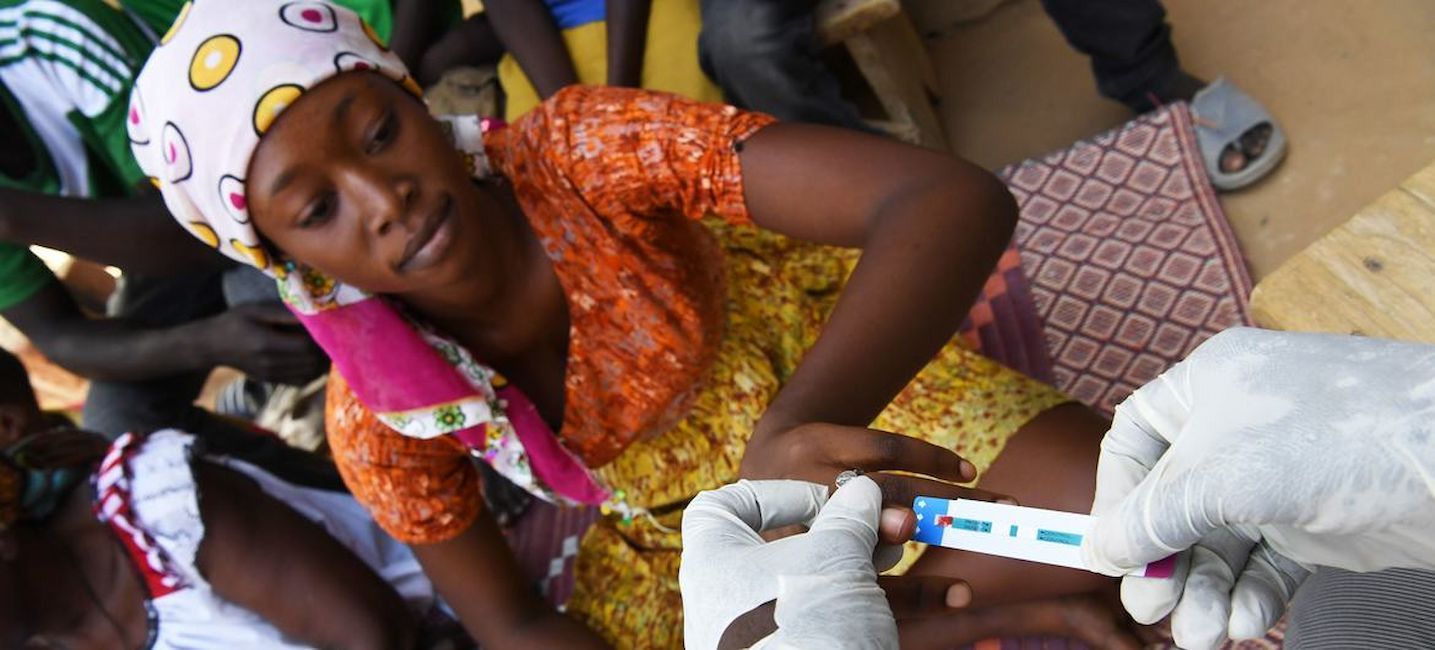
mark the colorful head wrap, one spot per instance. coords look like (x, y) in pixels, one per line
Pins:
(218, 80)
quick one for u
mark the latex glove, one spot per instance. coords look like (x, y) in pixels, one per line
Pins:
(1262, 455)
(823, 580)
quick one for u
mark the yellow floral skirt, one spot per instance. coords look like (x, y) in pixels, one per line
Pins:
(779, 293)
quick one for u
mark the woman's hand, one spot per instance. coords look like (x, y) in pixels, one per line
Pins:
(817, 452)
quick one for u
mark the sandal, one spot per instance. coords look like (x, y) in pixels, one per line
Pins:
(1223, 115)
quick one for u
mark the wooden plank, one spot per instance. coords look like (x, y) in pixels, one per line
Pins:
(1374, 275)
(899, 74)
(838, 20)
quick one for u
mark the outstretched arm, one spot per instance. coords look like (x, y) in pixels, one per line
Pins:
(260, 554)
(137, 235)
(261, 339)
(931, 228)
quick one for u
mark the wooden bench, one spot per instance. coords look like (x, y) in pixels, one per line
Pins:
(1374, 275)
(893, 60)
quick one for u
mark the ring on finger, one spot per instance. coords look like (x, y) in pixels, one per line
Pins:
(847, 475)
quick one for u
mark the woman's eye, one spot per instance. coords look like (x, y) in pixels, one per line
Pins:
(382, 134)
(319, 212)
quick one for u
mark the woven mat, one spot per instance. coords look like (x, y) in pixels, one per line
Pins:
(1131, 261)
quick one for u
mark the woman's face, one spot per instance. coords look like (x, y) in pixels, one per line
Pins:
(357, 180)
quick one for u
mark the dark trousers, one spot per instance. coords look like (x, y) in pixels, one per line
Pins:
(764, 55)
(1129, 43)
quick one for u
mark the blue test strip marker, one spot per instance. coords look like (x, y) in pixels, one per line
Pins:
(927, 510)
(1058, 537)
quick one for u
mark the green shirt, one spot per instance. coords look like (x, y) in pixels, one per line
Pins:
(66, 70)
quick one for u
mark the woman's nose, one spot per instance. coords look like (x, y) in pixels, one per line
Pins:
(387, 201)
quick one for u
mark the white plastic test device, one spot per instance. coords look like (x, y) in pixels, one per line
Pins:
(1032, 534)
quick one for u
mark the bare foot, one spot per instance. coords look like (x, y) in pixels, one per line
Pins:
(1091, 618)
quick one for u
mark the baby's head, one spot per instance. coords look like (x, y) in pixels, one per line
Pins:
(284, 131)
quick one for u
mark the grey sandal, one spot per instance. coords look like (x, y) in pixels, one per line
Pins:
(1223, 113)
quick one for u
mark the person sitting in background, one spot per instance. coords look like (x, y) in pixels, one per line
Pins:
(764, 55)
(629, 43)
(150, 542)
(69, 181)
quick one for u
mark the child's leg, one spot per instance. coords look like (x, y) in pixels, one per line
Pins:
(1049, 463)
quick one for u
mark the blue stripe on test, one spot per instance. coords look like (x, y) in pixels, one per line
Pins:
(1058, 537)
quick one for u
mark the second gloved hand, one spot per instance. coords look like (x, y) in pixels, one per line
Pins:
(1260, 456)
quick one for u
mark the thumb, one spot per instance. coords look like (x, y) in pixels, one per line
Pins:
(855, 509)
(735, 514)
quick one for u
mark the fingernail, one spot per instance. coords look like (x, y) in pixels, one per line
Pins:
(959, 595)
(969, 471)
(1007, 501)
(893, 520)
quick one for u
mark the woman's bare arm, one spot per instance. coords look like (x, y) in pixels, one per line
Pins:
(262, 555)
(930, 227)
(480, 579)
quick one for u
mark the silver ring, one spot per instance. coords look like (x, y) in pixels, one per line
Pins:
(847, 475)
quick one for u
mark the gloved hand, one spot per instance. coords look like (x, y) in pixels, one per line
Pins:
(1260, 456)
(824, 580)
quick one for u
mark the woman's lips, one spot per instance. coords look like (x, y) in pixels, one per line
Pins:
(431, 242)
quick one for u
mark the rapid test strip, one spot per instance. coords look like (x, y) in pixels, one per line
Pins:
(1032, 534)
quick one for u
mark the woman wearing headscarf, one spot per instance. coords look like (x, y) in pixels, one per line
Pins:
(622, 299)
(150, 542)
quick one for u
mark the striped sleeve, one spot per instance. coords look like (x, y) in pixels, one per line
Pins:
(88, 51)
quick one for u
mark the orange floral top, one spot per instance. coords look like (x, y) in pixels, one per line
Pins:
(614, 182)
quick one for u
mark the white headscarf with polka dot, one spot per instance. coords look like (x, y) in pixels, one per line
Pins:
(221, 76)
